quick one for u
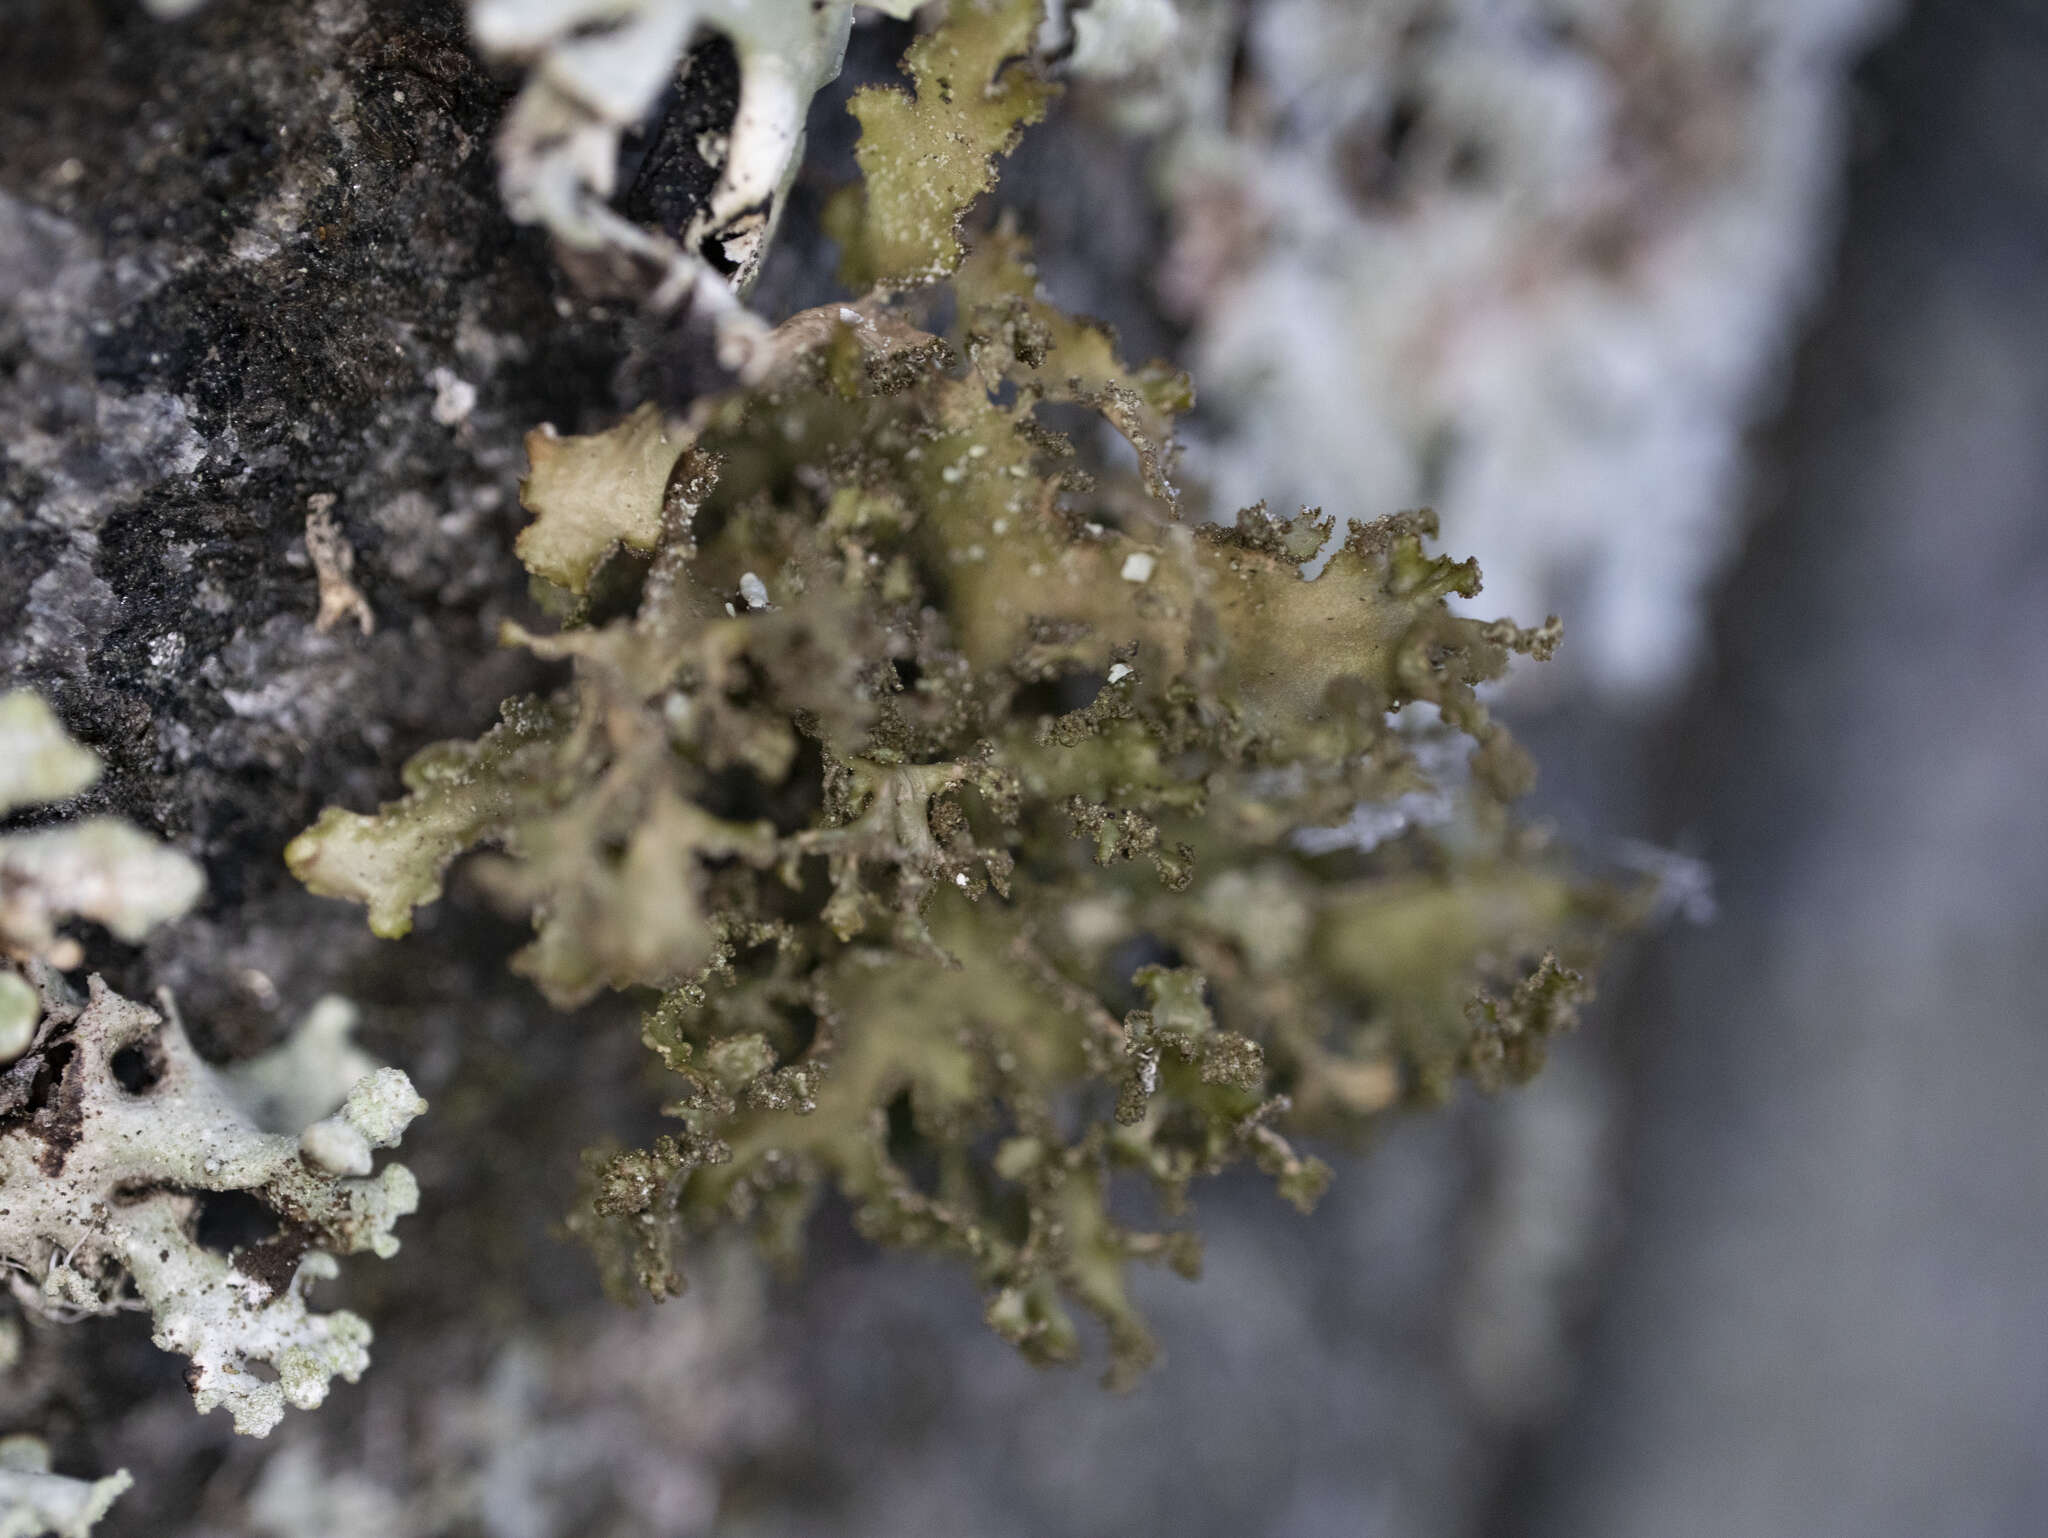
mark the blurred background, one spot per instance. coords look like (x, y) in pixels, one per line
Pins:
(1718, 327)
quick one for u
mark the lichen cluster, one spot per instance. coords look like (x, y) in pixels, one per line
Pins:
(115, 1136)
(113, 1133)
(100, 868)
(944, 790)
(597, 68)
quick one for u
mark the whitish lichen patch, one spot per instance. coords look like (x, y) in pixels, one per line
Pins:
(596, 68)
(114, 1135)
(98, 868)
(905, 692)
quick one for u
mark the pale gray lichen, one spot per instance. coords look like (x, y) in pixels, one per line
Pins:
(113, 1132)
(307, 1075)
(597, 68)
(20, 1009)
(35, 1502)
(334, 564)
(1109, 39)
(98, 868)
(947, 793)
(38, 761)
(295, 1497)
(1536, 262)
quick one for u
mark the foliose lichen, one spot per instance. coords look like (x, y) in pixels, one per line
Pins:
(947, 797)
(114, 1135)
(34, 1501)
(99, 868)
(925, 155)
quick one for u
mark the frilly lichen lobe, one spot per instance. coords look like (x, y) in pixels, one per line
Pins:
(99, 868)
(925, 153)
(113, 1132)
(920, 744)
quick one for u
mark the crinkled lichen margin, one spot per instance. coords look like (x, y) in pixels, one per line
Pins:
(113, 1132)
(597, 68)
(35, 1501)
(99, 868)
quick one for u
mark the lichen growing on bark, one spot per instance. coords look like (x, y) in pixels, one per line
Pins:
(925, 157)
(947, 795)
(113, 1136)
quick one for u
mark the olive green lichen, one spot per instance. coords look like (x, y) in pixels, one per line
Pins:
(952, 797)
(113, 1131)
(925, 158)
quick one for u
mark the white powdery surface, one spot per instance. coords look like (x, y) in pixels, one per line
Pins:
(598, 67)
(1536, 262)
(115, 1132)
(35, 1502)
